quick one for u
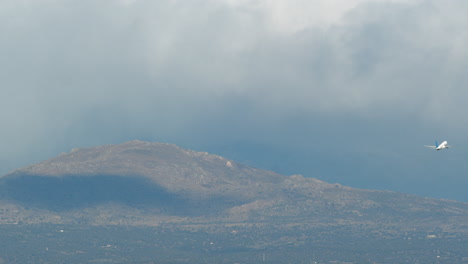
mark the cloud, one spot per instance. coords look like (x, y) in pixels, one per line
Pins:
(280, 73)
(296, 15)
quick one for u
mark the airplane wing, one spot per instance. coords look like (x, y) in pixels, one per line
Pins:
(432, 147)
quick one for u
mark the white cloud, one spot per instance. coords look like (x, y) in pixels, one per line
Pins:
(289, 16)
(336, 56)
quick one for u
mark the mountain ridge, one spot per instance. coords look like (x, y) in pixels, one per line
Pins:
(148, 182)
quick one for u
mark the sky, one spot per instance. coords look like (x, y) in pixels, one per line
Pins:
(346, 91)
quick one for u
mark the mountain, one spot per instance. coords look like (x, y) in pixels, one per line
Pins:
(143, 183)
(142, 202)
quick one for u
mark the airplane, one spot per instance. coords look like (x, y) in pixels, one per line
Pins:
(442, 145)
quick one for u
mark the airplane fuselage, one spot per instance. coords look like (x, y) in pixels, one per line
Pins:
(442, 145)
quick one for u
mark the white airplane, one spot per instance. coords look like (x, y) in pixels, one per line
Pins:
(442, 145)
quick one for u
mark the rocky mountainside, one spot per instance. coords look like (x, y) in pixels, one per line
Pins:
(143, 183)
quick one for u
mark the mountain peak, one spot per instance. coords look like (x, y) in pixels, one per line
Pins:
(132, 158)
(185, 173)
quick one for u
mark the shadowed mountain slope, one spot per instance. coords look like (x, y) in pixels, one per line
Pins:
(140, 182)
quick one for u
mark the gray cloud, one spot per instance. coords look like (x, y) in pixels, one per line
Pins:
(338, 97)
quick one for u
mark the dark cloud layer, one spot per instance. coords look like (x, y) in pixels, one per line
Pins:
(350, 102)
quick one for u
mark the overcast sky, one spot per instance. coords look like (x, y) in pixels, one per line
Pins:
(346, 91)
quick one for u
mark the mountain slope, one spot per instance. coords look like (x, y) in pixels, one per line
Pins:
(142, 183)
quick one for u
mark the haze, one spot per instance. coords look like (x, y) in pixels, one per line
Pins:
(344, 91)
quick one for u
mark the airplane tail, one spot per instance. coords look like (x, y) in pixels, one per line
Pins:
(436, 145)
